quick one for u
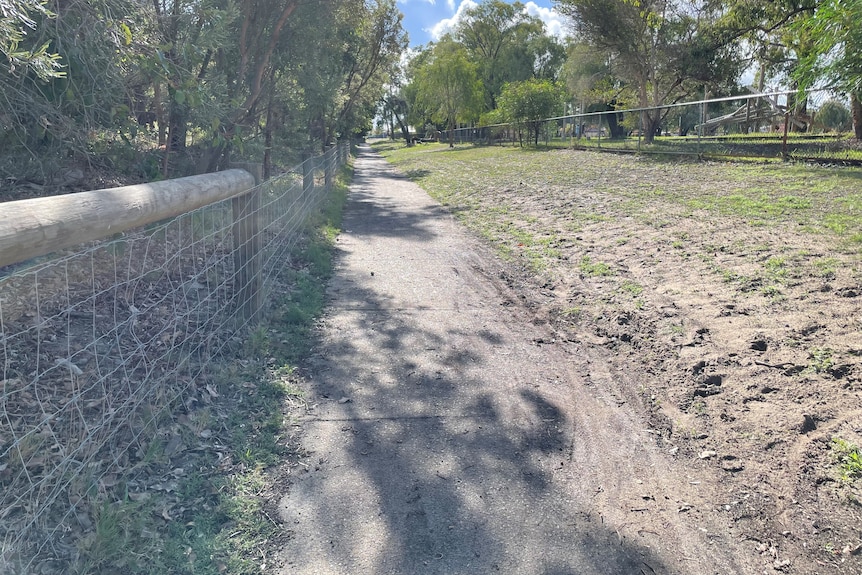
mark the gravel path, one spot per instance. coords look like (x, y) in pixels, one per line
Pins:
(450, 433)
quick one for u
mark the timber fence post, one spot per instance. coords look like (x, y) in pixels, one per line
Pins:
(307, 174)
(247, 248)
(330, 159)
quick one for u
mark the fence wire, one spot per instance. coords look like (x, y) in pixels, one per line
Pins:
(98, 344)
(753, 125)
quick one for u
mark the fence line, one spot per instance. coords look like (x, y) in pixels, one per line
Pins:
(100, 346)
(747, 125)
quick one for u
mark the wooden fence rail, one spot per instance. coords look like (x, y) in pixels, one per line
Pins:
(39, 226)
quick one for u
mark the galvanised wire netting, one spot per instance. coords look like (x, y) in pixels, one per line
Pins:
(97, 344)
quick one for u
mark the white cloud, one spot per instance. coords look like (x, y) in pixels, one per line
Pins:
(447, 24)
(555, 25)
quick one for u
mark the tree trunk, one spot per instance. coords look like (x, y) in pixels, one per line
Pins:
(856, 110)
(267, 141)
(177, 128)
(160, 113)
(614, 125)
(404, 131)
(650, 126)
(451, 133)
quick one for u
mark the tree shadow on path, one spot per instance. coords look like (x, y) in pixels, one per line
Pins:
(438, 449)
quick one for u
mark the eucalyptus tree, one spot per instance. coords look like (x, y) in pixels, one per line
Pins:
(663, 48)
(765, 28)
(589, 77)
(373, 45)
(16, 19)
(448, 86)
(773, 41)
(529, 102)
(836, 57)
(62, 79)
(347, 64)
(506, 44)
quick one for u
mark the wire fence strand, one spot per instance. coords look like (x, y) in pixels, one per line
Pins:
(98, 345)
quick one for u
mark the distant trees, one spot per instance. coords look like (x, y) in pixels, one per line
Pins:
(507, 45)
(495, 44)
(648, 54)
(663, 48)
(448, 87)
(833, 116)
(529, 102)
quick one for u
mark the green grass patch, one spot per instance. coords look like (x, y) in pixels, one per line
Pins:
(822, 199)
(820, 360)
(591, 268)
(632, 288)
(849, 459)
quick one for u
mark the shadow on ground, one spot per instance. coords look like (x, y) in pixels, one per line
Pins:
(439, 449)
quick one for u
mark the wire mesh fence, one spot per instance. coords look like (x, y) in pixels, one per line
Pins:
(770, 125)
(99, 343)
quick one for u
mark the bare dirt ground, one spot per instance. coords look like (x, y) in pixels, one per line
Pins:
(713, 299)
(450, 431)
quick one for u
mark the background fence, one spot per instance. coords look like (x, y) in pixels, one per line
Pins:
(98, 343)
(766, 125)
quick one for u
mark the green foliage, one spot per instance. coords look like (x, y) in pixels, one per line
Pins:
(820, 360)
(208, 80)
(528, 103)
(18, 17)
(507, 45)
(836, 50)
(833, 116)
(448, 86)
(664, 50)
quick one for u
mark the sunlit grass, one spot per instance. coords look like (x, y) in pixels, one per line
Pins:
(820, 200)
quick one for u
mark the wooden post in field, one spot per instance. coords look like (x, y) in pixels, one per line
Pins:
(784, 154)
(329, 167)
(247, 244)
(307, 174)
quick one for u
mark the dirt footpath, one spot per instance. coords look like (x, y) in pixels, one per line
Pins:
(451, 433)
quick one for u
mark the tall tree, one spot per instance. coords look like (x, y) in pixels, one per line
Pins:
(501, 40)
(529, 102)
(662, 47)
(348, 64)
(449, 87)
(772, 41)
(836, 57)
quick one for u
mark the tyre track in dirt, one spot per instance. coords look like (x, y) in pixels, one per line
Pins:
(451, 429)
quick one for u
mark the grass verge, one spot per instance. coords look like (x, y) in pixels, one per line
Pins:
(607, 188)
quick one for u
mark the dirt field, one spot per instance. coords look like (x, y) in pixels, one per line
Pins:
(727, 299)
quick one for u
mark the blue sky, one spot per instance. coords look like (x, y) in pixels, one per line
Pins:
(427, 20)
